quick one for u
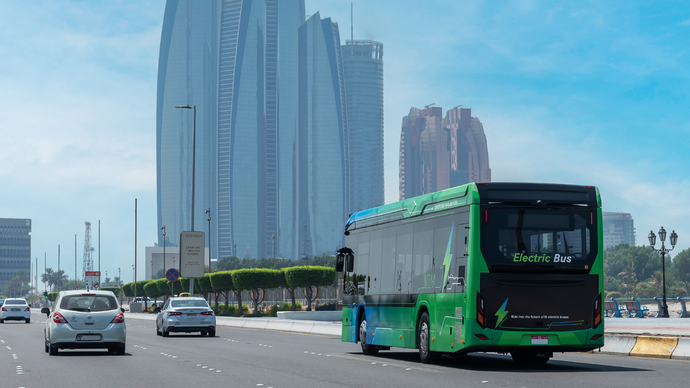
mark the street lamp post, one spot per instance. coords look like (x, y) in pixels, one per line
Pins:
(652, 240)
(210, 269)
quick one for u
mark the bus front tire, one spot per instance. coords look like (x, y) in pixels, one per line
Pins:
(367, 349)
(425, 355)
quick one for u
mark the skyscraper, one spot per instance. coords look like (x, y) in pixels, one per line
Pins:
(15, 249)
(363, 71)
(438, 153)
(223, 57)
(321, 174)
(619, 228)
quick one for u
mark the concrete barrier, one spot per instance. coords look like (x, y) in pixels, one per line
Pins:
(255, 323)
(682, 351)
(279, 325)
(658, 347)
(621, 345)
(330, 316)
(327, 329)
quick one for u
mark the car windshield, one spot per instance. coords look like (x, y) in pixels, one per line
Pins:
(16, 301)
(91, 303)
(189, 303)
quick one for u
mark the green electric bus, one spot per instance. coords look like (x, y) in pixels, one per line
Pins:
(485, 267)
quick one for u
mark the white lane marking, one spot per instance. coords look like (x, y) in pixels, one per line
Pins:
(204, 367)
(198, 364)
(408, 369)
(8, 348)
(3, 341)
(384, 365)
(218, 371)
(210, 369)
(15, 357)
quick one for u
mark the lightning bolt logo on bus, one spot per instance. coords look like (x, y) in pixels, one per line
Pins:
(501, 314)
(449, 256)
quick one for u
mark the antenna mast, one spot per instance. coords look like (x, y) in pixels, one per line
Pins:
(352, 29)
(88, 249)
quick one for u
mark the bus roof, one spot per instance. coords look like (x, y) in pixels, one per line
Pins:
(476, 193)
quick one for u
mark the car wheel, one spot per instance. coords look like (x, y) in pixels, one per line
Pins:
(212, 333)
(120, 350)
(2, 321)
(52, 350)
(45, 345)
(165, 332)
(28, 320)
(158, 332)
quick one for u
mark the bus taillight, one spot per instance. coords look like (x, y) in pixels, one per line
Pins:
(480, 311)
(597, 311)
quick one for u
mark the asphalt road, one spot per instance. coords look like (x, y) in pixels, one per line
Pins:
(257, 358)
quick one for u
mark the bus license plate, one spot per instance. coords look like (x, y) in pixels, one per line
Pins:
(191, 316)
(540, 340)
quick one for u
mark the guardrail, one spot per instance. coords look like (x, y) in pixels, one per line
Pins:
(658, 301)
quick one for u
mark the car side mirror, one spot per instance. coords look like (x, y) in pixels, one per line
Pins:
(122, 309)
(157, 310)
(45, 311)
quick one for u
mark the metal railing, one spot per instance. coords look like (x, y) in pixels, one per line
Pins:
(658, 301)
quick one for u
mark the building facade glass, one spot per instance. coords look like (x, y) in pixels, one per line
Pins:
(236, 60)
(15, 249)
(619, 228)
(363, 71)
(321, 175)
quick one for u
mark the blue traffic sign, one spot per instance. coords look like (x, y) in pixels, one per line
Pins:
(172, 275)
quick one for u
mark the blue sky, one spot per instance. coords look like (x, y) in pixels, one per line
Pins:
(568, 92)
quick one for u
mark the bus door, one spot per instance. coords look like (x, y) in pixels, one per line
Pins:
(456, 284)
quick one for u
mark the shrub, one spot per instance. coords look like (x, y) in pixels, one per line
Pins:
(614, 294)
(114, 290)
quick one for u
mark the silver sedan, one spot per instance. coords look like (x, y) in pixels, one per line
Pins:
(85, 319)
(186, 315)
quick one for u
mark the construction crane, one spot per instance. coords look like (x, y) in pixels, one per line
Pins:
(427, 106)
(88, 250)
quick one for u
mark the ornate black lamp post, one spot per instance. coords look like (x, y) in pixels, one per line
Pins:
(663, 251)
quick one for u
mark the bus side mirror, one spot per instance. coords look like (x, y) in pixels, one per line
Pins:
(339, 262)
(350, 259)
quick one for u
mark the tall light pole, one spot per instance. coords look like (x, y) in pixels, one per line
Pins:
(209, 239)
(663, 251)
(59, 277)
(119, 283)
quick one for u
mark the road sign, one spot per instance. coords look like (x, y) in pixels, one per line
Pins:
(172, 275)
(192, 251)
(93, 280)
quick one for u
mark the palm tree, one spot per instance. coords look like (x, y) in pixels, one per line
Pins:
(656, 281)
(629, 276)
(47, 278)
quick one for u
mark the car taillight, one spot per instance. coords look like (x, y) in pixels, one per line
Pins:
(4, 309)
(171, 313)
(119, 318)
(58, 318)
(28, 309)
(207, 313)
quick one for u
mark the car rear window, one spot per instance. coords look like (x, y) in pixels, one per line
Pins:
(88, 303)
(189, 303)
(16, 301)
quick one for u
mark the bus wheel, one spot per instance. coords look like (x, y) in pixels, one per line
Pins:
(366, 348)
(423, 343)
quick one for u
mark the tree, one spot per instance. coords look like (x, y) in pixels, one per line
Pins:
(311, 278)
(159, 275)
(282, 282)
(18, 285)
(222, 283)
(228, 263)
(48, 277)
(680, 266)
(629, 277)
(151, 290)
(257, 280)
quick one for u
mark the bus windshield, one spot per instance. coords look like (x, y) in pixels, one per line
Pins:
(537, 239)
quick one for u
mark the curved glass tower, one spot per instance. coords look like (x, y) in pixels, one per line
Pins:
(321, 176)
(223, 57)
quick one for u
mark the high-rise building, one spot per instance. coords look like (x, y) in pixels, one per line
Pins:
(469, 153)
(438, 153)
(363, 71)
(236, 61)
(15, 249)
(619, 228)
(321, 171)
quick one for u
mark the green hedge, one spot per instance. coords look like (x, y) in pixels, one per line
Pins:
(127, 290)
(52, 296)
(309, 276)
(115, 290)
(152, 291)
(256, 278)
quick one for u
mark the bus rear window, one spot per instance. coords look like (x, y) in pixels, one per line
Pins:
(538, 239)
